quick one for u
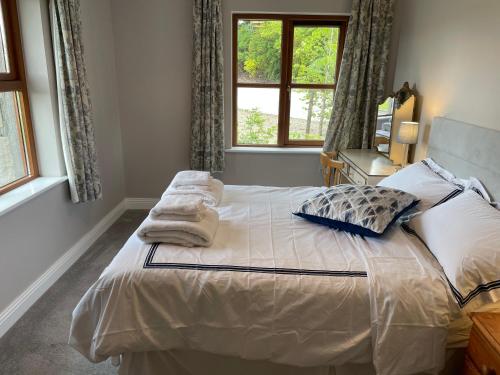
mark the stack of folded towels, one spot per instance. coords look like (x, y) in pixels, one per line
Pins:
(184, 216)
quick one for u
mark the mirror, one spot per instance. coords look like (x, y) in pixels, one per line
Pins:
(384, 124)
(397, 108)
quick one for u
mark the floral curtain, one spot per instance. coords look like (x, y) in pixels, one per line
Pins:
(75, 110)
(360, 88)
(207, 122)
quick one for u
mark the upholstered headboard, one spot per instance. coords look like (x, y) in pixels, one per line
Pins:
(467, 150)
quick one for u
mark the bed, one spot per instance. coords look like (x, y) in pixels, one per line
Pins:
(275, 294)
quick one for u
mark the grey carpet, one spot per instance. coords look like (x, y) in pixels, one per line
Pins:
(38, 342)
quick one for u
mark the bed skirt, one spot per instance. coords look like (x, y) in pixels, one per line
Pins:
(182, 362)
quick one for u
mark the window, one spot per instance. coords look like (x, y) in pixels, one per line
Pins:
(285, 68)
(17, 152)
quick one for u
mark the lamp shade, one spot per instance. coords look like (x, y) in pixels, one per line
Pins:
(408, 133)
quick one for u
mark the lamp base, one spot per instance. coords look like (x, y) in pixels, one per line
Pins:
(404, 161)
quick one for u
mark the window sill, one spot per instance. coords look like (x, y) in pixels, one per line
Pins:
(27, 192)
(275, 150)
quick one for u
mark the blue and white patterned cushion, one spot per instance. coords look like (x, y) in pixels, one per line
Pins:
(360, 209)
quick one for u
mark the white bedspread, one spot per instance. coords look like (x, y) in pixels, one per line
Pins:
(271, 287)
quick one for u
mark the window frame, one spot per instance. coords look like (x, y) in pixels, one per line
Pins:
(289, 21)
(15, 81)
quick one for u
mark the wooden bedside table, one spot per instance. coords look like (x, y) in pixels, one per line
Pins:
(483, 353)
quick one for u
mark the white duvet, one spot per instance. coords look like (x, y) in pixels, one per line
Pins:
(272, 287)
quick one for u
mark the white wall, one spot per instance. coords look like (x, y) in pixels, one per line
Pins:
(153, 47)
(451, 50)
(36, 234)
(153, 44)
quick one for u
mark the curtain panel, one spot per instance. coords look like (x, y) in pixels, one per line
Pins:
(207, 122)
(361, 84)
(75, 110)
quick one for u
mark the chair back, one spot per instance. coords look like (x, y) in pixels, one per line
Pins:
(330, 167)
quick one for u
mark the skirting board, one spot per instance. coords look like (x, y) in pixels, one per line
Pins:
(141, 203)
(12, 313)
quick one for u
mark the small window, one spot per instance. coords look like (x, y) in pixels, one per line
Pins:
(285, 68)
(17, 152)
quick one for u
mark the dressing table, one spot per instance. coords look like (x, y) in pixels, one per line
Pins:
(365, 167)
(368, 167)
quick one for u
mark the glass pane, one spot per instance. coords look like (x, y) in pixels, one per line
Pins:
(259, 51)
(315, 54)
(310, 111)
(385, 109)
(258, 110)
(12, 150)
(384, 123)
(4, 56)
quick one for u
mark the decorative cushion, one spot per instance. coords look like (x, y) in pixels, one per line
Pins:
(360, 209)
(429, 182)
(464, 236)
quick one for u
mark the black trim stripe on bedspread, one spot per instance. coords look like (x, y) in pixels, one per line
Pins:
(148, 263)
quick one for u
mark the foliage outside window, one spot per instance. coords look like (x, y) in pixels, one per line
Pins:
(386, 108)
(285, 70)
(17, 153)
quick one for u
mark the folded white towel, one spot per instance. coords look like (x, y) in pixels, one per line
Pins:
(211, 195)
(194, 187)
(184, 233)
(191, 178)
(179, 207)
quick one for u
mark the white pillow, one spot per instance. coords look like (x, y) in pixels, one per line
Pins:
(426, 180)
(464, 236)
(474, 184)
(468, 184)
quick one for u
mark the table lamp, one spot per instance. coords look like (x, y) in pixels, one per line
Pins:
(407, 135)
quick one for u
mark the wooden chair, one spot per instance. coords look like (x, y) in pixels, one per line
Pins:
(330, 166)
(380, 140)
